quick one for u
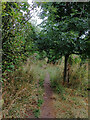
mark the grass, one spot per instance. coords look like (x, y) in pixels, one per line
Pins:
(55, 74)
(40, 71)
(21, 91)
(72, 107)
(71, 100)
(78, 78)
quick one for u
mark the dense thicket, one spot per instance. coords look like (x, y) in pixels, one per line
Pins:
(17, 34)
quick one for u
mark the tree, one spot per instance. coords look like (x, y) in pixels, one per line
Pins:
(65, 29)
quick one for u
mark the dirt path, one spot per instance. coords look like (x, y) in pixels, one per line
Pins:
(47, 109)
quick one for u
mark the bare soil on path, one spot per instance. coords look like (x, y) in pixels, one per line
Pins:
(47, 108)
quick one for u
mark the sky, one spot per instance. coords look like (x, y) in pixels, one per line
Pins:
(35, 19)
(30, 1)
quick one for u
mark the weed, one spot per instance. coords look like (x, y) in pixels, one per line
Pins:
(36, 113)
(40, 101)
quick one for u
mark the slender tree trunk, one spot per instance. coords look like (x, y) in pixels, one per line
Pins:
(68, 73)
(65, 68)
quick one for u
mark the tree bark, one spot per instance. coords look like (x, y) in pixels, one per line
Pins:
(65, 68)
(68, 73)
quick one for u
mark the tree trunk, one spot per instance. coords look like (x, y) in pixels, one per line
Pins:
(68, 73)
(65, 68)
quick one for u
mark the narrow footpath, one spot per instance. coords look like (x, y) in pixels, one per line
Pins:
(47, 109)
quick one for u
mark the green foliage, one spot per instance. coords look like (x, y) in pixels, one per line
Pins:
(37, 113)
(59, 89)
(40, 101)
(17, 34)
(64, 32)
(63, 29)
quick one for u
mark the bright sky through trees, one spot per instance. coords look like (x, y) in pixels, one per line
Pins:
(35, 19)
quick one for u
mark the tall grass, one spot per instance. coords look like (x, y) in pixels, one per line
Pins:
(39, 69)
(23, 89)
(78, 75)
(56, 77)
(22, 92)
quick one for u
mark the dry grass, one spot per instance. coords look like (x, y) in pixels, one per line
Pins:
(21, 92)
(79, 76)
(55, 72)
(72, 106)
(72, 100)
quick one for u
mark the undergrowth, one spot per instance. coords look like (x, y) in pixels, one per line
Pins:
(23, 88)
(71, 99)
(78, 77)
(21, 91)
